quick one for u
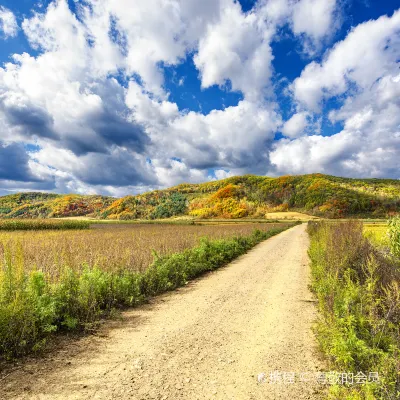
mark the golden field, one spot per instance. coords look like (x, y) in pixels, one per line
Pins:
(110, 247)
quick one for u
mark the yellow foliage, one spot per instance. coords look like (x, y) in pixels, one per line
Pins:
(220, 204)
(281, 208)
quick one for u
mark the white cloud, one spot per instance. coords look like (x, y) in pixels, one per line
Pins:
(89, 168)
(148, 111)
(364, 67)
(236, 48)
(348, 153)
(235, 137)
(368, 145)
(313, 153)
(173, 172)
(222, 174)
(369, 52)
(316, 19)
(312, 21)
(296, 125)
(8, 23)
(153, 32)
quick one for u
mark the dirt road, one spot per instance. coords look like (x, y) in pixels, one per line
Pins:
(209, 340)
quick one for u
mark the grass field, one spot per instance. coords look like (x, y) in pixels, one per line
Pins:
(109, 247)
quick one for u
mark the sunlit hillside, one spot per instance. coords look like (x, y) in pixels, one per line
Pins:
(236, 197)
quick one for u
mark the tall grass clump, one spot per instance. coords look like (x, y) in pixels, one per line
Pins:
(358, 290)
(41, 224)
(394, 235)
(33, 304)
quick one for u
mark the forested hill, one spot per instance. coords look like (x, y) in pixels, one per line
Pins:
(236, 197)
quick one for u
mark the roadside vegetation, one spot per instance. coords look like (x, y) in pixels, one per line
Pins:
(246, 196)
(66, 280)
(357, 283)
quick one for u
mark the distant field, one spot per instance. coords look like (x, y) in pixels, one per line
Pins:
(290, 215)
(269, 217)
(377, 233)
(111, 248)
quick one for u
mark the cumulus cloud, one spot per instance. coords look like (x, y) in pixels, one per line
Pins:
(313, 17)
(367, 71)
(347, 153)
(369, 52)
(222, 174)
(237, 49)
(8, 23)
(296, 125)
(63, 94)
(313, 21)
(313, 154)
(174, 172)
(14, 163)
(152, 32)
(90, 168)
(25, 119)
(224, 138)
(316, 20)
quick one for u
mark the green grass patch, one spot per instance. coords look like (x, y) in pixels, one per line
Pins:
(41, 224)
(377, 234)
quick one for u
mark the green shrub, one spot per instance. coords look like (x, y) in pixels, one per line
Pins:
(175, 204)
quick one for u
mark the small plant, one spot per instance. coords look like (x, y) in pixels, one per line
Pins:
(394, 235)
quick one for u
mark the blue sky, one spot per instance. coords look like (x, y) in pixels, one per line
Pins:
(109, 97)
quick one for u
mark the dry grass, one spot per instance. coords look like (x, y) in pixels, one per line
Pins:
(111, 248)
(290, 215)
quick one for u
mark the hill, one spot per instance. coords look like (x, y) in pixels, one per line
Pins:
(48, 205)
(236, 197)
